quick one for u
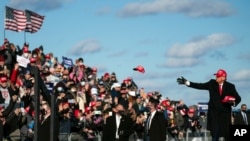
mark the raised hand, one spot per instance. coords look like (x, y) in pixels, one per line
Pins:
(181, 80)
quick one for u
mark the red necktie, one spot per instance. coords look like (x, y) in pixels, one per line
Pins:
(220, 89)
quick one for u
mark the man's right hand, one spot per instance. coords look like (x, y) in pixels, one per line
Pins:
(181, 80)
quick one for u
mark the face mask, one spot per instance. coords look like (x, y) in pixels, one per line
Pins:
(73, 90)
(57, 75)
(43, 112)
(121, 112)
(148, 108)
(83, 83)
(64, 80)
(26, 55)
(60, 89)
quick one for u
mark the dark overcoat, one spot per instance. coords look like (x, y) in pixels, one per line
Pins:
(158, 128)
(125, 129)
(219, 113)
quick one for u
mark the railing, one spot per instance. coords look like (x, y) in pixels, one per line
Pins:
(201, 135)
(204, 135)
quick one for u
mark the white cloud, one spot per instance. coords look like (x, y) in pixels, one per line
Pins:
(193, 8)
(189, 54)
(85, 46)
(183, 62)
(241, 75)
(38, 4)
(200, 46)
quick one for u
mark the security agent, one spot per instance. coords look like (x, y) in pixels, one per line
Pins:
(242, 117)
(119, 126)
(156, 124)
(44, 125)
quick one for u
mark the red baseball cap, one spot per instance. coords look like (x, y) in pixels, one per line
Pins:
(165, 103)
(32, 60)
(25, 50)
(3, 79)
(191, 110)
(228, 99)
(221, 73)
(139, 68)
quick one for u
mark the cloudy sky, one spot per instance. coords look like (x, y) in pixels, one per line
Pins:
(170, 38)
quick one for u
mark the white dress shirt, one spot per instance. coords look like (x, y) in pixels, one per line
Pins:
(118, 120)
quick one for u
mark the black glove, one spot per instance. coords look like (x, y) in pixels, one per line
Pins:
(181, 80)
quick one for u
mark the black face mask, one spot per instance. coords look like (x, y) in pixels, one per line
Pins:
(43, 112)
(148, 108)
(121, 112)
(57, 75)
(64, 80)
(1, 68)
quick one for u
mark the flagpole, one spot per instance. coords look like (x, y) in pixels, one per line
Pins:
(4, 22)
(24, 37)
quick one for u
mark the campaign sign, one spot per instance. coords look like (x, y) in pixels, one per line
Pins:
(49, 87)
(239, 132)
(22, 61)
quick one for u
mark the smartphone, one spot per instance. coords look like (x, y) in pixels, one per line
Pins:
(22, 107)
(71, 101)
(21, 104)
(97, 112)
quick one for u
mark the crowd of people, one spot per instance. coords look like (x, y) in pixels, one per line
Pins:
(85, 102)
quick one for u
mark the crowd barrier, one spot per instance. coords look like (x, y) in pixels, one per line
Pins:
(204, 136)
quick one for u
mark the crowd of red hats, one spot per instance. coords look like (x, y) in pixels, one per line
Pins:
(79, 74)
(78, 88)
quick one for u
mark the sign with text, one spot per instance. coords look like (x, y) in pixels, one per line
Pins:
(239, 132)
(22, 61)
(50, 87)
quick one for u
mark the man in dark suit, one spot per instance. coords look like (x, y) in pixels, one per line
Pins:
(118, 126)
(155, 127)
(242, 118)
(44, 125)
(222, 96)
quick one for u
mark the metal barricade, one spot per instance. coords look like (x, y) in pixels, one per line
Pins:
(64, 137)
(75, 137)
(203, 135)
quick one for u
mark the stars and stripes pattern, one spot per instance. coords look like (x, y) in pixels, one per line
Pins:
(15, 19)
(19, 20)
(34, 21)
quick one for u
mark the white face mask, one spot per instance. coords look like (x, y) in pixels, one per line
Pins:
(83, 83)
(73, 90)
(26, 55)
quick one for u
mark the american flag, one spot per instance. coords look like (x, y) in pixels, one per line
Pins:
(15, 19)
(34, 21)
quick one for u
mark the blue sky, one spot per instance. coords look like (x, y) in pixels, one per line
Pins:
(170, 38)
